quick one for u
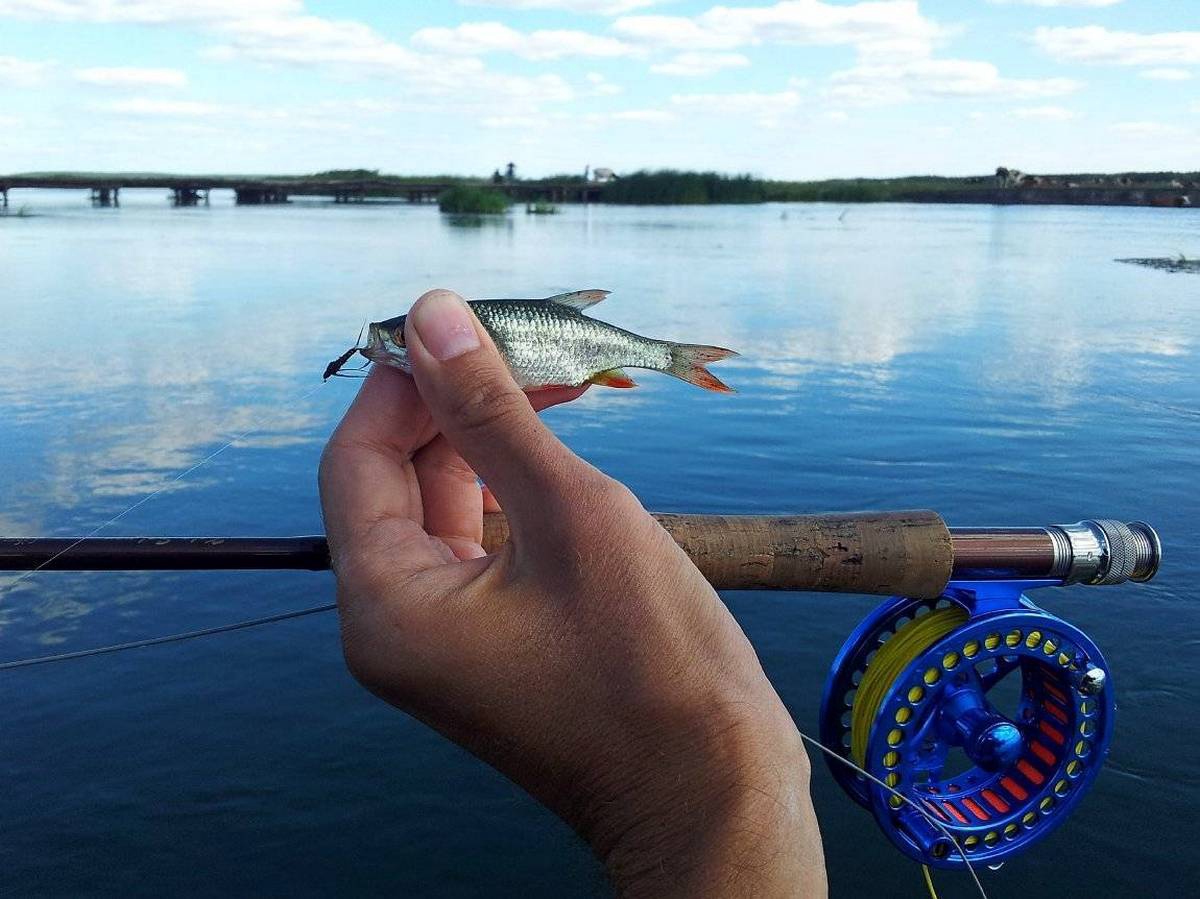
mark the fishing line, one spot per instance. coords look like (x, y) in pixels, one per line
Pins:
(8, 588)
(889, 663)
(920, 811)
(929, 882)
(170, 638)
(896, 655)
(327, 607)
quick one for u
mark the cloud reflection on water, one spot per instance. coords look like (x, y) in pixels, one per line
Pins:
(138, 342)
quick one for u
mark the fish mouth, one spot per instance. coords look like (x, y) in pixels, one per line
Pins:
(385, 343)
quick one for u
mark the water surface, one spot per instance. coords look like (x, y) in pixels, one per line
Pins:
(994, 364)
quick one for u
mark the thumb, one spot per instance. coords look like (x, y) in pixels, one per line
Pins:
(478, 406)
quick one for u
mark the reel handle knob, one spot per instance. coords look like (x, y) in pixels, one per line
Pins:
(992, 742)
(989, 739)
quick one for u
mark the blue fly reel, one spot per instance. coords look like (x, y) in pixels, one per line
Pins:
(986, 717)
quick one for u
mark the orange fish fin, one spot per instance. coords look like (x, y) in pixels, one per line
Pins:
(614, 377)
(688, 363)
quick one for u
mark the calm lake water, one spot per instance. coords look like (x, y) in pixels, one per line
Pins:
(994, 364)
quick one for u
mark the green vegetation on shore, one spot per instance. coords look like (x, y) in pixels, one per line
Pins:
(673, 187)
(463, 198)
(668, 186)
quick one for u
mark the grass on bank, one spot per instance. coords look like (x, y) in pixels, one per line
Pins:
(464, 198)
(671, 187)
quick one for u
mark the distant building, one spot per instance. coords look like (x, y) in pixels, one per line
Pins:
(1006, 177)
(603, 175)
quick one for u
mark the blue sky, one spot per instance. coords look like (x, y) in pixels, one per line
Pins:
(799, 89)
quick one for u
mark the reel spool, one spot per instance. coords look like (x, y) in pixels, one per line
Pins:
(914, 698)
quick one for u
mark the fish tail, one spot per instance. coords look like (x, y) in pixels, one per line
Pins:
(688, 363)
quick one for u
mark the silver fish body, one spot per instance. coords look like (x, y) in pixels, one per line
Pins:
(551, 342)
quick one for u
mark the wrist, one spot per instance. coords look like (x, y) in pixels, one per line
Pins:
(728, 812)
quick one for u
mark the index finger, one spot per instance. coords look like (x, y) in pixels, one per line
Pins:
(366, 473)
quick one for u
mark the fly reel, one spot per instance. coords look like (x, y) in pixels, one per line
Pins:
(915, 698)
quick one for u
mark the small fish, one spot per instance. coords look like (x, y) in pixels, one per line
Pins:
(551, 343)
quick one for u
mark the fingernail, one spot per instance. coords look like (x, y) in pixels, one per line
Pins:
(445, 325)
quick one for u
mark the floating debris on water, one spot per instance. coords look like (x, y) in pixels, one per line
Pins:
(1168, 263)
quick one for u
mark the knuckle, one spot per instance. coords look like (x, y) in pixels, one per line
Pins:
(489, 405)
(607, 496)
(589, 507)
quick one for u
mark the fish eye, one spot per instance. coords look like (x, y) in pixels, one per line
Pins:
(398, 336)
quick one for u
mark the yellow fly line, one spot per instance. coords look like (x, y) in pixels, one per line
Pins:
(889, 662)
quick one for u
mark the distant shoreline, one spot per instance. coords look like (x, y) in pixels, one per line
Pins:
(664, 187)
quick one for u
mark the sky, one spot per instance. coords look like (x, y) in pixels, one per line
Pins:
(799, 89)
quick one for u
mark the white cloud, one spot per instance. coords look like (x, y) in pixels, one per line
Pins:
(146, 12)
(277, 32)
(599, 7)
(558, 121)
(1093, 4)
(601, 86)
(1096, 44)
(22, 72)
(311, 40)
(478, 38)
(674, 32)
(1044, 113)
(643, 115)
(141, 106)
(695, 64)
(900, 82)
(1166, 74)
(129, 76)
(1148, 129)
(813, 22)
(512, 121)
(764, 109)
(352, 48)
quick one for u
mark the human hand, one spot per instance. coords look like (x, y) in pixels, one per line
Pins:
(587, 659)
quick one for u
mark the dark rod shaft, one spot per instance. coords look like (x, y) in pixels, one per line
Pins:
(164, 553)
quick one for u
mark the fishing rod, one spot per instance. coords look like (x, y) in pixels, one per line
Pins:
(910, 727)
(910, 552)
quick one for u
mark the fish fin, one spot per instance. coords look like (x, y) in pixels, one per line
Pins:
(614, 377)
(688, 361)
(579, 299)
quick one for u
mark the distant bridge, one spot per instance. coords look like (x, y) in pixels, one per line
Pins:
(189, 190)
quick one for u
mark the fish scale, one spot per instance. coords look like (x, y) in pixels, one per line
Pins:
(548, 343)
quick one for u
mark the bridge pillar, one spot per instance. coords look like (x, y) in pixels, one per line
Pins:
(187, 196)
(104, 196)
(3, 197)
